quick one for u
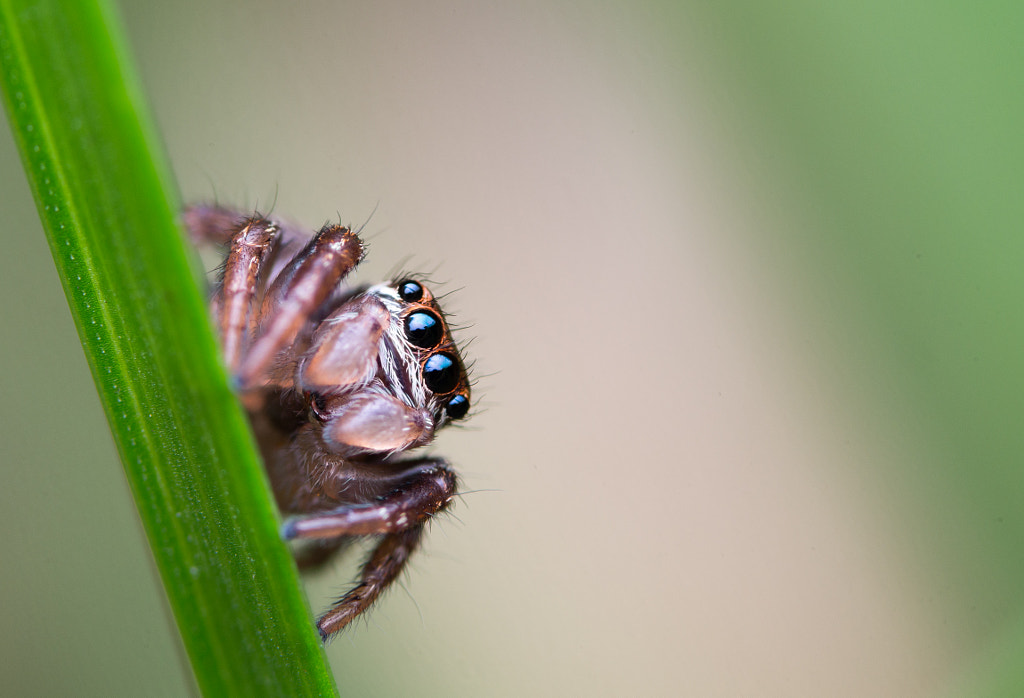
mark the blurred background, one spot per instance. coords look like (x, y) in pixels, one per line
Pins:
(744, 289)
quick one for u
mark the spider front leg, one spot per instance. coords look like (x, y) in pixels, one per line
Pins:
(417, 494)
(294, 296)
(256, 245)
(251, 240)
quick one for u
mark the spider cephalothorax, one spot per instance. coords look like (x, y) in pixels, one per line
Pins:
(338, 382)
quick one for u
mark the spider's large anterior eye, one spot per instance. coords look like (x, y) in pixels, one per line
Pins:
(440, 373)
(457, 407)
(410, 291)
(423, 329)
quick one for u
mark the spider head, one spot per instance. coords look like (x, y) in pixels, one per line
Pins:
(418, 355)
(382, 373)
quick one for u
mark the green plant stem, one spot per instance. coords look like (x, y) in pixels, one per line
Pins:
(108, 205)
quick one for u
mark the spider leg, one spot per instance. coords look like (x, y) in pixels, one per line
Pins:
(383, 566)
(212, 224)
(416, 493)
(218, 225)
(233, 300)
(254, 243)
(298, 290)
(419, 493)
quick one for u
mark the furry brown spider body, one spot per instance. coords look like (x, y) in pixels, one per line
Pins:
(339, 383)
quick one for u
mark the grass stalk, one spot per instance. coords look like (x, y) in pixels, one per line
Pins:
(109, 206)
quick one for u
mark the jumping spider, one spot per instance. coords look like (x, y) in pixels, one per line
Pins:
(339, 383)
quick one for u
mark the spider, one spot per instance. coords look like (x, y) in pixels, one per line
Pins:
(339, 382)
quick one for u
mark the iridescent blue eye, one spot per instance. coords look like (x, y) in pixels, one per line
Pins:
(441, 374)
(410, 291)
(457, 407)
(423, 329)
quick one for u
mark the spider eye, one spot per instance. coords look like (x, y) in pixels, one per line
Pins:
(423, 329)
(441, 374)
(410, 291)
(457, 407)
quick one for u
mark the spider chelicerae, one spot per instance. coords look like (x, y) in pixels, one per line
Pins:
(339, 382)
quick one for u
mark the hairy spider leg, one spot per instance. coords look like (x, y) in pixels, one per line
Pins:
(215, 225)
(233, 300)
(299, 289)
(420, 492)
(383, 566)
(254, 242)
(218, 225)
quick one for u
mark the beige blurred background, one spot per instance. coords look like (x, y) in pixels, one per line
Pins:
(692, 468)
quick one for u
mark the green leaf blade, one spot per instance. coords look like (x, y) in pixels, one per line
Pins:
(108, 204)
